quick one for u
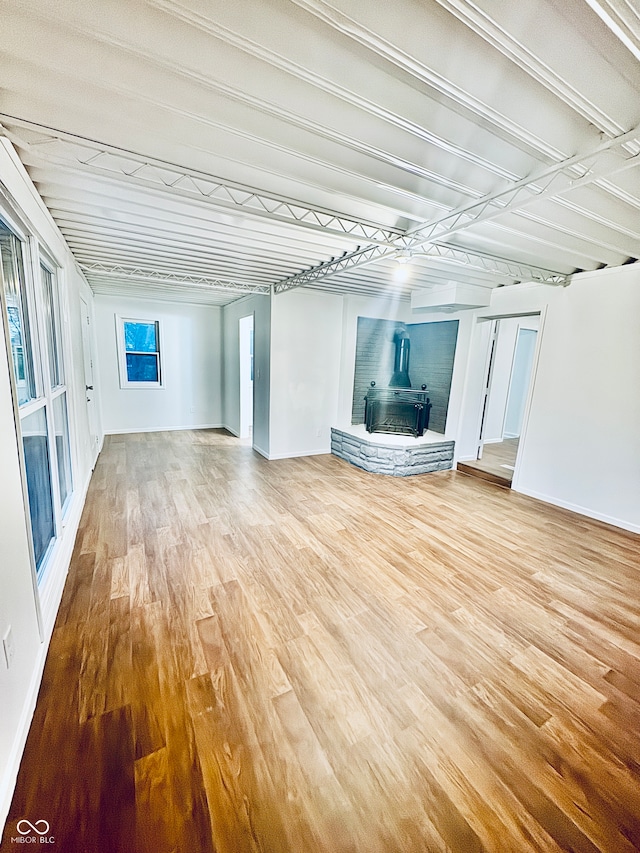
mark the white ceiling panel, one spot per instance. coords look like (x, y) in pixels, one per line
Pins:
(201, 149)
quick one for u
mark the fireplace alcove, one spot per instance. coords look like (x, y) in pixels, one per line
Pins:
(397, 428)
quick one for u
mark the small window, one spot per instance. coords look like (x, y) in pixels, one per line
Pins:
(139, 353)
(12, 275)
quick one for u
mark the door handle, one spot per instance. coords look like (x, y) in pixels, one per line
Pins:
(88, 387)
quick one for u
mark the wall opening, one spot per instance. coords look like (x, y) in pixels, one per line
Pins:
(507, 384)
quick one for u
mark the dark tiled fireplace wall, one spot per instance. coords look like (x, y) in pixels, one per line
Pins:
(433, 347)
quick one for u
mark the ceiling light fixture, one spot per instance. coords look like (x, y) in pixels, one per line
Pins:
(404, 256)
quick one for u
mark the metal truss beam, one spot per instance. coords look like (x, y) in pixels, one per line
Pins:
(335, 265)
(135, 273)
(487, 263)
(63, 149)
(492, 264)
(612, 156)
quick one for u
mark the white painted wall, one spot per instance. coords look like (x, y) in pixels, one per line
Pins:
(580, 447)
(306, 339)
(260, 307)
(19, 685)
(191, 353)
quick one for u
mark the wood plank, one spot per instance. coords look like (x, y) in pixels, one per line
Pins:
(298, 656)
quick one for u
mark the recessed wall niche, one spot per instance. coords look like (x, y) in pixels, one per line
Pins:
(433, 347)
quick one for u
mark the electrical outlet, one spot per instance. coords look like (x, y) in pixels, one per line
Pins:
(8, 646)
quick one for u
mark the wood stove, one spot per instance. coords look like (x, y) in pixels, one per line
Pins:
(397, 410)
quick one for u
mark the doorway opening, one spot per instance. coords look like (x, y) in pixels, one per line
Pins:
(246, 376)
(512, 350)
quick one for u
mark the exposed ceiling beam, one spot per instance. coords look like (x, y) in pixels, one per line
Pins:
(612, 156)
(623, 21)
(56, 147)
(492, 264)
(488, 263)
(494, 33)
(138, 273)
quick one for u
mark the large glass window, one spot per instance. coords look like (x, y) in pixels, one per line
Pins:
(38, 467)
(139, 353)
(35, 339)
(63, 449)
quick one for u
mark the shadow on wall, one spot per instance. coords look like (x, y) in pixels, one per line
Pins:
(433, 347)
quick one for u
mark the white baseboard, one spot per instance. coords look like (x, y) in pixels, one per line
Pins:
(581, 510)
(297, 454)
(10, 775)
(50, 593)
(135, 430)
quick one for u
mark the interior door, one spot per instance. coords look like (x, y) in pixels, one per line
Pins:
(487, 385)
(87, 352)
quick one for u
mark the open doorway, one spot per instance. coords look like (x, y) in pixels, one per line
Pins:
(246, 376)
(507, 383)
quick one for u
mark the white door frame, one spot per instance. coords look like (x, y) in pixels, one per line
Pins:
(246, 399)
(541, 313)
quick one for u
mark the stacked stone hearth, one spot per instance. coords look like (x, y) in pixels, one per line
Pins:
(395, 460)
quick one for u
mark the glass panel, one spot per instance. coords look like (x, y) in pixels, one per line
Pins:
(38, 466)
(140, 337)
(13, 281)
(142, 368)
(63, 450)
(52, 325)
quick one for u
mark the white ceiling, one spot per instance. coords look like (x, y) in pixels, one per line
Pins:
(200, 149)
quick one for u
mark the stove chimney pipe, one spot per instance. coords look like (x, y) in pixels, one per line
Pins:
(400, 378)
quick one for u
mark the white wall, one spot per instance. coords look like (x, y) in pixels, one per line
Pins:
(191, 354)
(580, 447)
(260, 307)
(306, 338)
(19, 684)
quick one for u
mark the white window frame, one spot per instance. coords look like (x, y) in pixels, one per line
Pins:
(34, 255)
(125, 382)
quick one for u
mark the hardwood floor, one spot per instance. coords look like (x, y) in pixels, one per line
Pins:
(298, 656)
(497, 463)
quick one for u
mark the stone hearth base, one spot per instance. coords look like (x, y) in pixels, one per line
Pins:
(398, 456)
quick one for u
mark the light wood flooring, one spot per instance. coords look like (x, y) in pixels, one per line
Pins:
(298, 656)
(497, 463)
